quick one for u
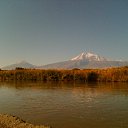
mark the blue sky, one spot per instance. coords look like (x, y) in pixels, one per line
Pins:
(47, 31)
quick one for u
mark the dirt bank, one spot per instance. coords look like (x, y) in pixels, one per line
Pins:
(7, 121)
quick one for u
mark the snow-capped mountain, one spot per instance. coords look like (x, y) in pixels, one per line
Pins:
(89, 56)
(84, 61)
(22, 64)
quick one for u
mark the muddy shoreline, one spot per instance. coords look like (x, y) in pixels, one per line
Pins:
(8, 121)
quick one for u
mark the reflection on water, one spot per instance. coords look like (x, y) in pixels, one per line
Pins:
(67, 105)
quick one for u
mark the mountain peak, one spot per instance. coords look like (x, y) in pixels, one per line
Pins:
(88, 56)
(22, 62)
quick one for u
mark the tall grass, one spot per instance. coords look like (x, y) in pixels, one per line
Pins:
(85, 75)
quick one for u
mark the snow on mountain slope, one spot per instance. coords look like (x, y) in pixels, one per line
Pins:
(89, 56)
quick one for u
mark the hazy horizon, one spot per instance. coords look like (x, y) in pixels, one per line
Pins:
(48, 31)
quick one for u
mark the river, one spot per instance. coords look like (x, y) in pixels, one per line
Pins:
(67, 105)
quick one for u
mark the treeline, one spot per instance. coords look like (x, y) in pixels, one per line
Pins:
(85, 75)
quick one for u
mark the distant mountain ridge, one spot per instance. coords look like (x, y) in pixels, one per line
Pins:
(22, 64)
(85, 60)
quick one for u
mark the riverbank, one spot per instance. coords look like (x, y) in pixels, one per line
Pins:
(7, 121)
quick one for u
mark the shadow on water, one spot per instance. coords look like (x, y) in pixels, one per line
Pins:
(96, 85)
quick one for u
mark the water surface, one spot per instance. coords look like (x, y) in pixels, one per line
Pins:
(67, 105)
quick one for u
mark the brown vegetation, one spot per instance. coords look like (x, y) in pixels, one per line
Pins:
(85, 75)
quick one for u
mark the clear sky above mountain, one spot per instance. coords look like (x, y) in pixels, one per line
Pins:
(47, 31)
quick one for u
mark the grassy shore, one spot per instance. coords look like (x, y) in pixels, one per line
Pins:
(84, 75)
(7, 121)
